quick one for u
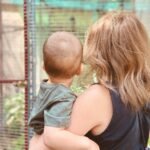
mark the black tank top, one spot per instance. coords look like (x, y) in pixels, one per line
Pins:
(123, 132)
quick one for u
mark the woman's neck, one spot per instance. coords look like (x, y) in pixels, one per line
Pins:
(65, 82)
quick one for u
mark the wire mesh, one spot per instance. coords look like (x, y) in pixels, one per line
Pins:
(33, 24)
(76, 17)
(11, 120)
(12, 75)
(12, 44)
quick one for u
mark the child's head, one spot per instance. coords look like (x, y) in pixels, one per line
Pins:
(62, 54)
(116, 48)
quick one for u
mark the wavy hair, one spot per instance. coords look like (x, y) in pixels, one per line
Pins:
(117, 49)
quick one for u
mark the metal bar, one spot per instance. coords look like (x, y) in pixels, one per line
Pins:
(1, 69)
(32, 50)
(122, 5)
(133, 4)
(26, 74)
(11, 81)
(1, 46)
(32, 61)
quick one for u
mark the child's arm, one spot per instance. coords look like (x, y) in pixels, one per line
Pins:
(60, 139)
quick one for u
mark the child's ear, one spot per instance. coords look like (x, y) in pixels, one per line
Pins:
(80, 69)
(43, 67)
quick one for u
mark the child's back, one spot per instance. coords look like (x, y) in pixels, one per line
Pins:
(62, 54)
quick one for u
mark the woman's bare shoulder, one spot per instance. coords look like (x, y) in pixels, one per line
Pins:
(90, 109)
(96, 91)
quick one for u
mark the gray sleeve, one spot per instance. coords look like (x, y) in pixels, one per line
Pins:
(59, 114)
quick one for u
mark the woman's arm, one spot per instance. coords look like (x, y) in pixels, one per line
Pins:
(54, 119)
(60, 139)
(37, 143)
(88, 111)
(92, 111)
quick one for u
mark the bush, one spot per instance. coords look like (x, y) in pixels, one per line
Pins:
(14, 111)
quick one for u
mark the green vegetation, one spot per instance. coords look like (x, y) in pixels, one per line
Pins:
(14, 111)
(14, 122)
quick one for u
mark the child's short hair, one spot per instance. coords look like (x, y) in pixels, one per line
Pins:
(62, 55)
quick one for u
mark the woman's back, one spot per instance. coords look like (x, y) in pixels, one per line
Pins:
(124, 131)
(117, 49)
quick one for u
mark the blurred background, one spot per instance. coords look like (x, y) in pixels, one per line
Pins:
(24, 25)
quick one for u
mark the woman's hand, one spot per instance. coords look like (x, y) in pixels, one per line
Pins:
(37, 143)
(93, 146)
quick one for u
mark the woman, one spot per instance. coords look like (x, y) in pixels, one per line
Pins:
(111, 112)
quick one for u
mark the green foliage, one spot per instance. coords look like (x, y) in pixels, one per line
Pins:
(77, 89)
(14, 122)
(18, 144)
(14, 111)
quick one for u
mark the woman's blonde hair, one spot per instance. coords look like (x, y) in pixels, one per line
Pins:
(117, 49)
